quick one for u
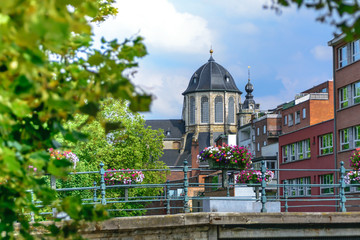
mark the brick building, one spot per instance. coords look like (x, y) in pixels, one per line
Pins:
(346, 69)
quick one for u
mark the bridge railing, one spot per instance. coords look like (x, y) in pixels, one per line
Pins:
(180, 196)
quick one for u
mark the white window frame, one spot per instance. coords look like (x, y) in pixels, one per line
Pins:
(307, 148)
(290, 119)
(344, 97)
(297, 117)
(285, 151)
(298, 191)
(326, 179)
(345, 139)
(343, 56)
(356, 93)
(292, 152)
(355, 50)
(356, 136)
(304, 113)
(300, 150)
(326, 144)
(285, 120)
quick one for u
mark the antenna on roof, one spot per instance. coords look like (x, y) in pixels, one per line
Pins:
(249, 73)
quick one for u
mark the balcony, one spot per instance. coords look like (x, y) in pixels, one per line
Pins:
(273, 133)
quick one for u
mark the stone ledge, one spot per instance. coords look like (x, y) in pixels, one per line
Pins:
(193, 219)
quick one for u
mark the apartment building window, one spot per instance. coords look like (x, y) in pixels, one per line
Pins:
(299, 190)
(304, 113)
(350, 138)
(344, 139)
(296, 151)
(264, 129)
(343, 56)
(257, 131)
(258, 147)
(264, 143)
(349, 53)
(285, 120)
(356, 92)
(327, 179)
(326, 144)
(290, 119)
(297, 117)
(355, 50)
(343, 97)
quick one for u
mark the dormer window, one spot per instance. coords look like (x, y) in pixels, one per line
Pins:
(227, 79)
(194, 79)
(168, 133)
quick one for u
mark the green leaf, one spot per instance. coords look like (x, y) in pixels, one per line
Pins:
(96, 59)
(20, 108)
(91, 109)
(111, 126)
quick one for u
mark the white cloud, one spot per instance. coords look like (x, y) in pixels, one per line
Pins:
(166, 87)
(162, 26)
(247, 28)
(322, 53)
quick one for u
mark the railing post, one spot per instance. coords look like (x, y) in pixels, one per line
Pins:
(285, 189)
(342, 188)
(186, 185)
(32, 202)
(167, 197)
(102, 184)
(53, 186)
(263, 186)
(95, 196)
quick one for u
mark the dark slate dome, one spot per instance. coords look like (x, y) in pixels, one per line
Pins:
(211, 77)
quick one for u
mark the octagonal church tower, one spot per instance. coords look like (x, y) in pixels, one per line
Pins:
(211, 102)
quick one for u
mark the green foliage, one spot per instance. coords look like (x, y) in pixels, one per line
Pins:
(50, 71)
(127, 143)
(344, 15)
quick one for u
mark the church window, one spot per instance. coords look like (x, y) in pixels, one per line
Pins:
(231, 110)
(204, 110)
(219, 109)
(192, 110)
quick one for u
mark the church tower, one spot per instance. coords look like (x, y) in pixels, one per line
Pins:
(211, 102)
(249, 106)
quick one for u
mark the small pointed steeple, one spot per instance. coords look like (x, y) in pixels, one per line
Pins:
(211, 59)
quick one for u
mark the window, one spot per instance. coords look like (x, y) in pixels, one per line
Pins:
(258, 131)
(192, 110)
(357, 136)
(219, 109)
(285, 120)
(343, 57)
(344, 139)
(264, 129)
(343, 97)
(307, 148)
(300, 150)
(285, 153)
(304, 113)
(258, 147)
(297, 117)
(355, 50)
(323, 90)
(264, 143)
(300, 189)
(327, 179)
(349, 53)
(356, 92)
(290, 119)
(204, 110)
(326, 144)
(231, 110)
(292, 152)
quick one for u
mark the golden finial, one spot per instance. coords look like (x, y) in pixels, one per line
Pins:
(211, 51)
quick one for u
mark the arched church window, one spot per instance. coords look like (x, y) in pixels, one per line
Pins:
(231, 114)
(219, 109)
(192, 110)
(204, 110)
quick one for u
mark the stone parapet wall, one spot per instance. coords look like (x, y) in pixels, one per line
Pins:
(227, 226)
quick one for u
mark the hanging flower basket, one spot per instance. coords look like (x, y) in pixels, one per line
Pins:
(123, 177)
(253, 176)
(226, 157)
(355, 159)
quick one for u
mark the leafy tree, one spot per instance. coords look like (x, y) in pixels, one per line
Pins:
(344, 15)
(50, 71)
(132, 146)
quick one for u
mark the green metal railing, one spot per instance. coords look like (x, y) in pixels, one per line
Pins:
(165, 203)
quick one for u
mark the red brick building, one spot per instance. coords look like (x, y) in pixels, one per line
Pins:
(308, 148)
(346, 65)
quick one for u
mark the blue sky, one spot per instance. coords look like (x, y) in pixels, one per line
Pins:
(288, 53)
